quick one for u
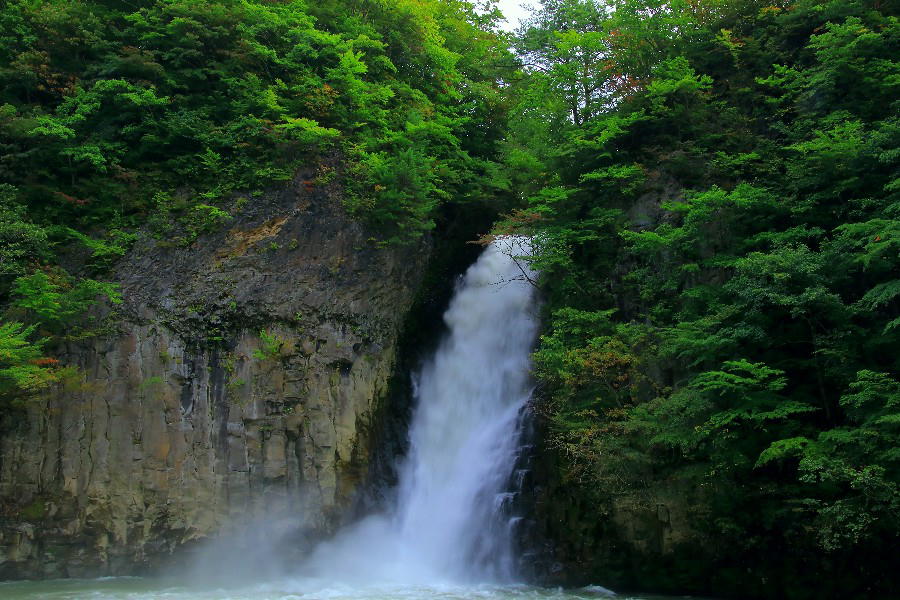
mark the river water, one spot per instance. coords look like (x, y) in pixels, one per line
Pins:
(133, 588)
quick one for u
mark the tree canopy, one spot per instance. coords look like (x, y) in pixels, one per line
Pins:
(712, 190)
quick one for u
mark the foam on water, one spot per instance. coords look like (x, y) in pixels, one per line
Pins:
(134, 588)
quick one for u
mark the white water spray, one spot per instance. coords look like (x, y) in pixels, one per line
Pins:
(449, 524)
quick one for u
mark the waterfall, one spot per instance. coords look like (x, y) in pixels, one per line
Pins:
(451, 522)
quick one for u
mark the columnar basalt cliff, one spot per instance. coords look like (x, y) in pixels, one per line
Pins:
(242, 375)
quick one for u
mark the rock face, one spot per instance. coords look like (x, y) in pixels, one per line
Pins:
(242, 376)
(643, 539)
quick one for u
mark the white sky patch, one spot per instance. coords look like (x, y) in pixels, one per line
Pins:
(514, 11)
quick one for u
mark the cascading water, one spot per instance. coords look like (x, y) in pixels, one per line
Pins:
(449, 524)
(464, 433)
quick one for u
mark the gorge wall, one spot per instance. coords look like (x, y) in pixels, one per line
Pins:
(620, 538)
(241, 376)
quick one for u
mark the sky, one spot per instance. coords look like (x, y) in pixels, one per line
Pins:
(513, 10)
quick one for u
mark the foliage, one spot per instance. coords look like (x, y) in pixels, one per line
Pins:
(104, 252)
(713, 197)
(270, 346)
(21, 243)
(54, 300)
(24, 370)
(210, 97)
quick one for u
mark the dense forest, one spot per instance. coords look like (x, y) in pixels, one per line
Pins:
(711, 187)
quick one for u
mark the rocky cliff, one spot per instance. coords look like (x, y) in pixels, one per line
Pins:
(242, 375)
(620, 538)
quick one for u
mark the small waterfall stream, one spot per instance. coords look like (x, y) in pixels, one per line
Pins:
(450, 523)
